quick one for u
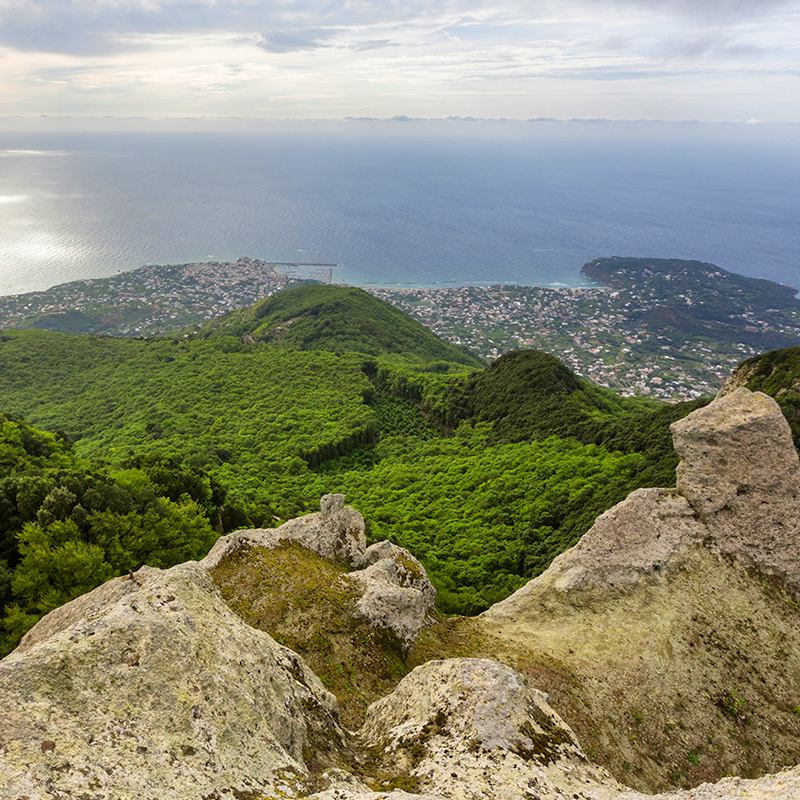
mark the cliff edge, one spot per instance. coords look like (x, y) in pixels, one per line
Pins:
(669, 636)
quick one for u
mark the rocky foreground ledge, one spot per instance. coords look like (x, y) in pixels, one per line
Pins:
(152, 687)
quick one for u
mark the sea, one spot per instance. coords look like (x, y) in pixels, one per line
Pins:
(401, 203)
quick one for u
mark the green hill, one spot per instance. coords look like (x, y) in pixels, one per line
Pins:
(338, 319)
(529, 394)
(691, 300)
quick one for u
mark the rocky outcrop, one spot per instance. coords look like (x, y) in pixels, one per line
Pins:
(152, 687)
(740, 473)
(336, 532)
(395, 592)
(473, 728)
(738, 494)
(669, 636)
(736, 453)
(658, 634)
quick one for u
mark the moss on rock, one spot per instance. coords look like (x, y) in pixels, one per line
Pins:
(304, 601)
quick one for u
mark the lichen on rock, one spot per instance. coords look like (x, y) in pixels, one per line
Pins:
(152, 687)
(397, 594)
(469, 728)
(738, 445)
(336, 532)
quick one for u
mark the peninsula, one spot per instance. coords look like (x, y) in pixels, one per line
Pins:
(661, 328)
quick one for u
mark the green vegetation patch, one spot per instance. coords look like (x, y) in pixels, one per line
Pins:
(463, 470)
(246, 412)
(305, 602)
(528, 394)
(67, 526)
(480, 503)
(481, 517)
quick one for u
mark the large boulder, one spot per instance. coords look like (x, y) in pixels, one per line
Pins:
(740, 473)
(151, 687)
(336, 532)
(395, 592)
(738, 446)
(738, 494)
(472, 728)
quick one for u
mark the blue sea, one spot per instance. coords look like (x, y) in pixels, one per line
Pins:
(401, 203)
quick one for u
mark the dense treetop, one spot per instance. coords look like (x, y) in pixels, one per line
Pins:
(486, 475)
(66, 526)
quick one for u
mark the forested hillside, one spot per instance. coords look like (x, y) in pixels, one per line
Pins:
(67, 526)
(338, 318)
(485, 474)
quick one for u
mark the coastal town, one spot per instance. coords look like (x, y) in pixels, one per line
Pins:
(147, 301)
(582, 327)
(609, 335)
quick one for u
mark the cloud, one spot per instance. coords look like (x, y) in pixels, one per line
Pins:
(382, 58)
(609, 73)
(101, 27)
(293, 40)
(718, 45)
(96, 29)
(719, 12)
(372, 44)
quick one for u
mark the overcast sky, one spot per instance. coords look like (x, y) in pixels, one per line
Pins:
(708, 60)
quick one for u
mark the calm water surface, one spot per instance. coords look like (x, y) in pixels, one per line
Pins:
(399, 204)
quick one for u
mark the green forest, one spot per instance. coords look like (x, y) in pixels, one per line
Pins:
(66, 526)
(116, 453)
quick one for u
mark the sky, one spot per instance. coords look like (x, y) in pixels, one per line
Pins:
(705, 60)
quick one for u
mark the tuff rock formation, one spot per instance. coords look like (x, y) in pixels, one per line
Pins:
(395, 591)
(336, 532)
(738, 494)
(669, 636)
(152, 687)
(472, 728)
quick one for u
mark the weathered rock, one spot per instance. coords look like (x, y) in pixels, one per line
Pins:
(337, 532)
(638, 537)
(737, 446)
(740, 472)
(397, 594)
(153, 688)
(738, 494)
(472, 728)
(783, 785)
